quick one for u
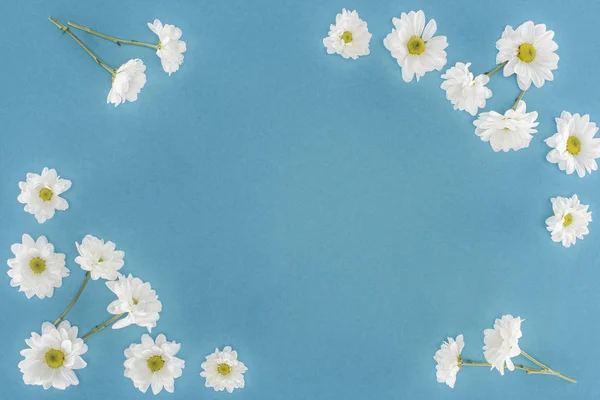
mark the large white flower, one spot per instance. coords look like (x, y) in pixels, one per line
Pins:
(574, 147)
(502, 343)
(137, 300)
(465, 92)
(449, 361)
(529, 52)
(511, 131)
(41, 194)
(101, 259)
(570, 220)
(52, 356)
(349, 37)
(36, 268)
(413, 45)
(223, 370)
(127, 82)
(153, 364)
(170, 48)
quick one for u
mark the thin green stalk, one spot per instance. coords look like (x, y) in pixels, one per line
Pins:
(64, 313)
(102, 326)
(528, 370)
(514, 107)
(91, 53)
(110, 38)
(498, 68)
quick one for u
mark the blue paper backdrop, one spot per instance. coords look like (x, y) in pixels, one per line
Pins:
(329, 221)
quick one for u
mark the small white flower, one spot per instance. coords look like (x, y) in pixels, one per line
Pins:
(570, 220)
(511, 131)
(41, 194)
(223, 370)
(127, 83)
(413, 45)
(52, 357)
(449, 361)
(530, 53)
(465, 92)
(153, 364)
(502, 343)
(101, 259)
(170, 48)
(36, 268)
(574, 147)
(349, 37)
(137, 299)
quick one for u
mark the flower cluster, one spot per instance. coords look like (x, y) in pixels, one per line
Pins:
(129, 79)
(501, 345)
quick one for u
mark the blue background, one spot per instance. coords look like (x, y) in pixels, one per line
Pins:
(329, 221)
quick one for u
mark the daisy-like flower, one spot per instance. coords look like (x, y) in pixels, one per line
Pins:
(153, 364)
(127, 82)
(101, 259)
(53, 356)
(465, 92)
(511, 131)
(449, 361)
(36, 268)
(223, 370)
(574, 147)
(502, 343)
(41, 194)
(137, 300)
(349, 37)
(570, 220)
(413, 45)
(170, 48)
(529, 52)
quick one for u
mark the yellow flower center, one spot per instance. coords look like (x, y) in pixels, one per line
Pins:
(416, 45)
(567, 220)
(347, 37)
(46, 194)
(526, 52)
(224, 369)
(55, 358)
(573, 145)
(155, 363)
(37, 265)
(135, 301)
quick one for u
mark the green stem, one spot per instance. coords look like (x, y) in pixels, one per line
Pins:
(110, 38)
(548, 370)
(102, 326)
(64, 313)
(528, 370)
(514, 107)
(498, 68)
(91, 53)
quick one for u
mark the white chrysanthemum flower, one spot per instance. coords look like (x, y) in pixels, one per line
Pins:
(127, 83)
(511, 131)
(52, 357)
(574, 147)
(349, 37)
(502, 343)
(153, 364)
(570, 220)
(41, 194)
(170, 48)
(449, 361)
(223, 370)
(465, 92)
(413, 45)
(101, 259)
(137, 300)
(36, 268)
(529, 52)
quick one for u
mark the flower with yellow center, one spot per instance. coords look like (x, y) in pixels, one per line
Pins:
(100, 258)
(41, 194)
(528, 52)
(36, 269)
(574, 147)
(570, 220)
(136, 299)
(414, 46)
(223, 370)
(349, 36)
(463, 90)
